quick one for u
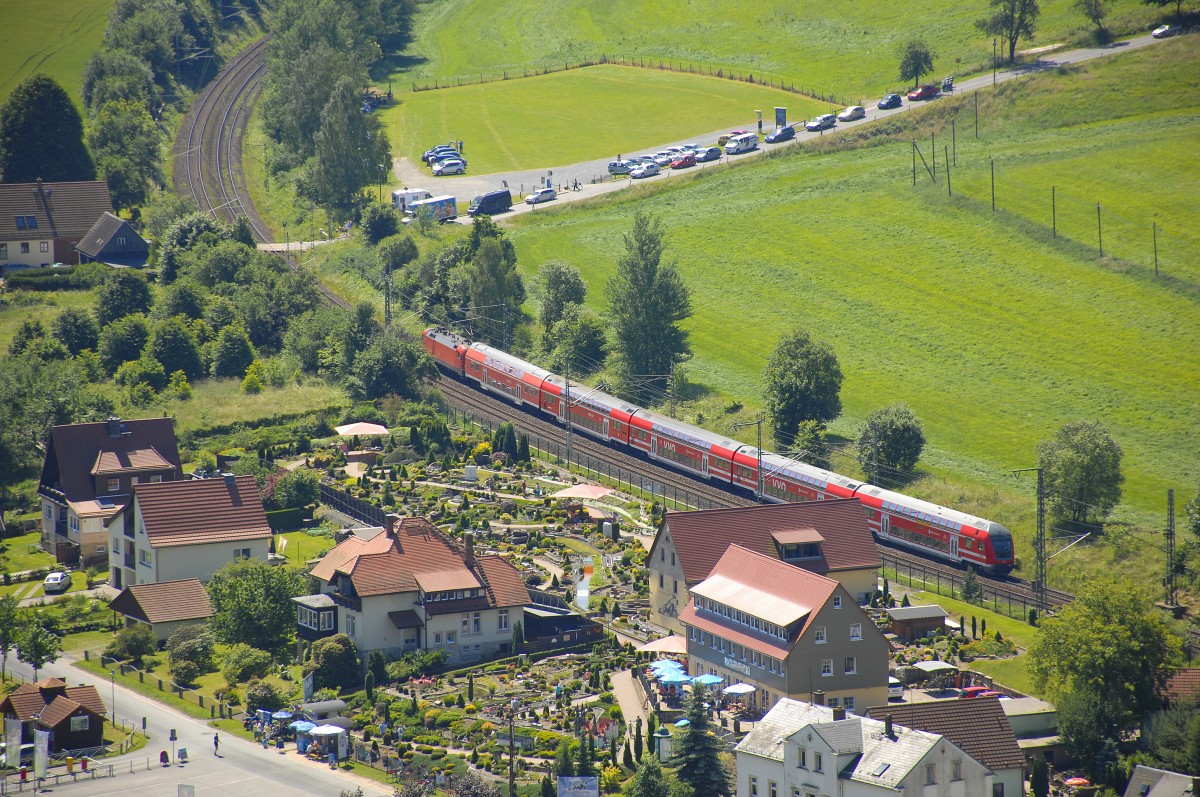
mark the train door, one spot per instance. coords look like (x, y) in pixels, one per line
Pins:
(954, 546)
(704, 464)
(606, 428)
(884, 524)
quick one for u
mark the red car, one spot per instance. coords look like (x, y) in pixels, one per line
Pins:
(684, 161)
(926, 92)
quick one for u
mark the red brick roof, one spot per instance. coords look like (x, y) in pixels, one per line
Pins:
(25, 702)
(58, 710)
(88, 697)
(51, 683)
(419, 556)
(74, 449)
(978, 726)
(63, 210)
(702, 537)
(28, 702)
(224, 509)
(164, 601)
(1183, 686)
(136, 459)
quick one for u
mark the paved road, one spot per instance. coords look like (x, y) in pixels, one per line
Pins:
(242, 770)
(521, 182)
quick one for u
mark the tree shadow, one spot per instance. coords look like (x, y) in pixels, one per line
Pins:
(396, 62)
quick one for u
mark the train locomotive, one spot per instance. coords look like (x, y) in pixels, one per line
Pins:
(935, 531)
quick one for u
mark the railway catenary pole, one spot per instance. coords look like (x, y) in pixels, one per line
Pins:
(758, 422)
(567, 412)
(1039, 541)
(1169, 581)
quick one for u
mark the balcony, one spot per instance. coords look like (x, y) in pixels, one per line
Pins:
(351, 602)
(129, 561)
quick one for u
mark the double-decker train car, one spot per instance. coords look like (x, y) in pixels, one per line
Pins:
(933, 530)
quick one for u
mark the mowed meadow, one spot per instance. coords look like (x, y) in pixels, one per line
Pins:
(52, 36)
(836, 46)
(582, 114)
(993, 331)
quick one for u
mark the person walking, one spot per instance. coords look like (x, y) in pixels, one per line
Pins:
(216, 743)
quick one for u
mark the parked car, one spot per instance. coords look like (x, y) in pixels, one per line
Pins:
(1166, 31)
(447, 156)
(685, 160)
(56, 582)
(24, 756)
(890, 101)
(490, 203)
(895, 687)
(705, 154)
(645, 170)
(723, 140)
(430, 154)
(676, 150)
(926, 92)
(852, 113)
(541, 195)
(442, 168)
(822, 122)
(619, 167)
(786, 133)
(664, 158)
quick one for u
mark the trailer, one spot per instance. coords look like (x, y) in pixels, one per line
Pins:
(443, 208)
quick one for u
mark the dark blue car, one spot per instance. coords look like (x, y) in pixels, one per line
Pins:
(891, 101)
(782, 134)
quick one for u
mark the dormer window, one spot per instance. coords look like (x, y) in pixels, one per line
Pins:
(114, 484)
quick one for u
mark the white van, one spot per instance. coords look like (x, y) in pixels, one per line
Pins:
(402, 199)
(895, 687)
(743, 143)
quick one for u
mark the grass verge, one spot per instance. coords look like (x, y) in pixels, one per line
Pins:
(146, 690)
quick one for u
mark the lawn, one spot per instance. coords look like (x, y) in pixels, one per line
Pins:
(56, 37)
(565, 117)
(25, 553)
(217, 402)
(21, 306)
(837, 46)
(993, 332)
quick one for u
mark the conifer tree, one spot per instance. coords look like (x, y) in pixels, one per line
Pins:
(696, 756)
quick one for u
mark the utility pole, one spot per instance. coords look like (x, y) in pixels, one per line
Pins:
(758, 422)
(1169, 581)
(567, 413)
(387, 295)
(1039, 541)
(671, 393)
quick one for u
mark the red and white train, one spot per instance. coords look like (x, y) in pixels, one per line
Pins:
(933, 530)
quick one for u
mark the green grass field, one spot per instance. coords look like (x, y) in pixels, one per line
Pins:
(54, 36)
(837, 46)
(993, 332)
(565, 117)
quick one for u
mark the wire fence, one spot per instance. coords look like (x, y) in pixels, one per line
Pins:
(216, 708)
(741, 75)
(1007, 602)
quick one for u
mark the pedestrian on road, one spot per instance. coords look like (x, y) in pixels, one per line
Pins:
(216, 743)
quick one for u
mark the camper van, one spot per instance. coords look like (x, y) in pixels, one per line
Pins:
(402, 199)
(743, 143)
(442, 209)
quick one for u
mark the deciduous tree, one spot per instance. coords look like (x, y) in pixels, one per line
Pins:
(122, 341)
(76, 329)
(252, 603)
(648, 301)
(1096, 11)
(41, 135)
(559, 284)
(650, 780)
(123, 293)
(232, 352)
(1164, 3)
(1011, 21)
(378, 222)
(891, 437)
(496, 291)
(803, 383)
(579, 341)
(916, 59)
(125, 142)
(38, 647)
(334, 663)
(348, 149)
(11, 626)
(1082, 466)
(389, 365)
(174, 346)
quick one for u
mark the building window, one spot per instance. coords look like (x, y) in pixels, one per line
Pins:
(802, 758)
(24, 247)
(502, 624)
(3, 251)
(826, 666)
(466, 624)
(856, 630)
(660, 580)
(73, 521)
(475, 623)
(851, 665)
(753, 786)
(120, 242)
(837, 601)
(662, 555)
(44, 246)
(675, 587)
(241, 553)
(437, 638)
(997, 790)
(956, 770)
(772, 789)
(326, 621)
(819, 634)
(114, 485)
(832, 702)
(849, 703)
(672, 559)
(156, 478)
(351, 625)
(304, 616)
(449, 637)
(816, 762)
(930, 775)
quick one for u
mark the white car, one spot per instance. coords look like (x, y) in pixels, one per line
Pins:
(541, 195)
(57, 582)
(822, 122)
(442, 168)
(645, 170)
(852, 113)
(1166, 31)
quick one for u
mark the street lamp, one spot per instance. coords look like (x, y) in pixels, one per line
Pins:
(993, 60)
(382, 172)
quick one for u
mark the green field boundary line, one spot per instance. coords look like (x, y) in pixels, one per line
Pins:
(768, 79)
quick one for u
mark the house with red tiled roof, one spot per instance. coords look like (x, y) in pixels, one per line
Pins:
(830, 538)
(411, 587)
(88, 476)
(189, 529)
(74, 715)
(785, 631)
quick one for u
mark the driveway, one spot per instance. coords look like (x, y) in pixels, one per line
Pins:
(593, 174)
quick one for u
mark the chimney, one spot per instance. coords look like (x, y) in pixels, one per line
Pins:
(230, 480)
(114, 427)
(818, 697)
(887, 727)
(389, 524)
(839, 713)
(469, 550)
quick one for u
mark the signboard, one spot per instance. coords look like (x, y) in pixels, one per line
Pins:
(780, 117)
(740, 666)
(343, 745)
(587, 786)
(79, 724)
(185, 790)
(759, 114)
(41, 753)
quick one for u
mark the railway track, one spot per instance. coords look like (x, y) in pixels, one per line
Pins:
(208, 149)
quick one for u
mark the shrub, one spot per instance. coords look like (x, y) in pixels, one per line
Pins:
(133, 644)
(243, 662)
(334, 662)
(264, 695)
(184, 672)
(194, 643)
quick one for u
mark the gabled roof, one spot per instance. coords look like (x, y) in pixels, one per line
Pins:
(917, 612)
(901, 752)
(88, 697)
(198, 511)
(979, 726)
(107, 227)
(416, 555)
(765, 587)
(26, 702)
(701, 537)
(1183, 686)
(109, 462)
(164, 601)
(1150, 782)
(75, 449)
(58, 710)
(61, 210)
